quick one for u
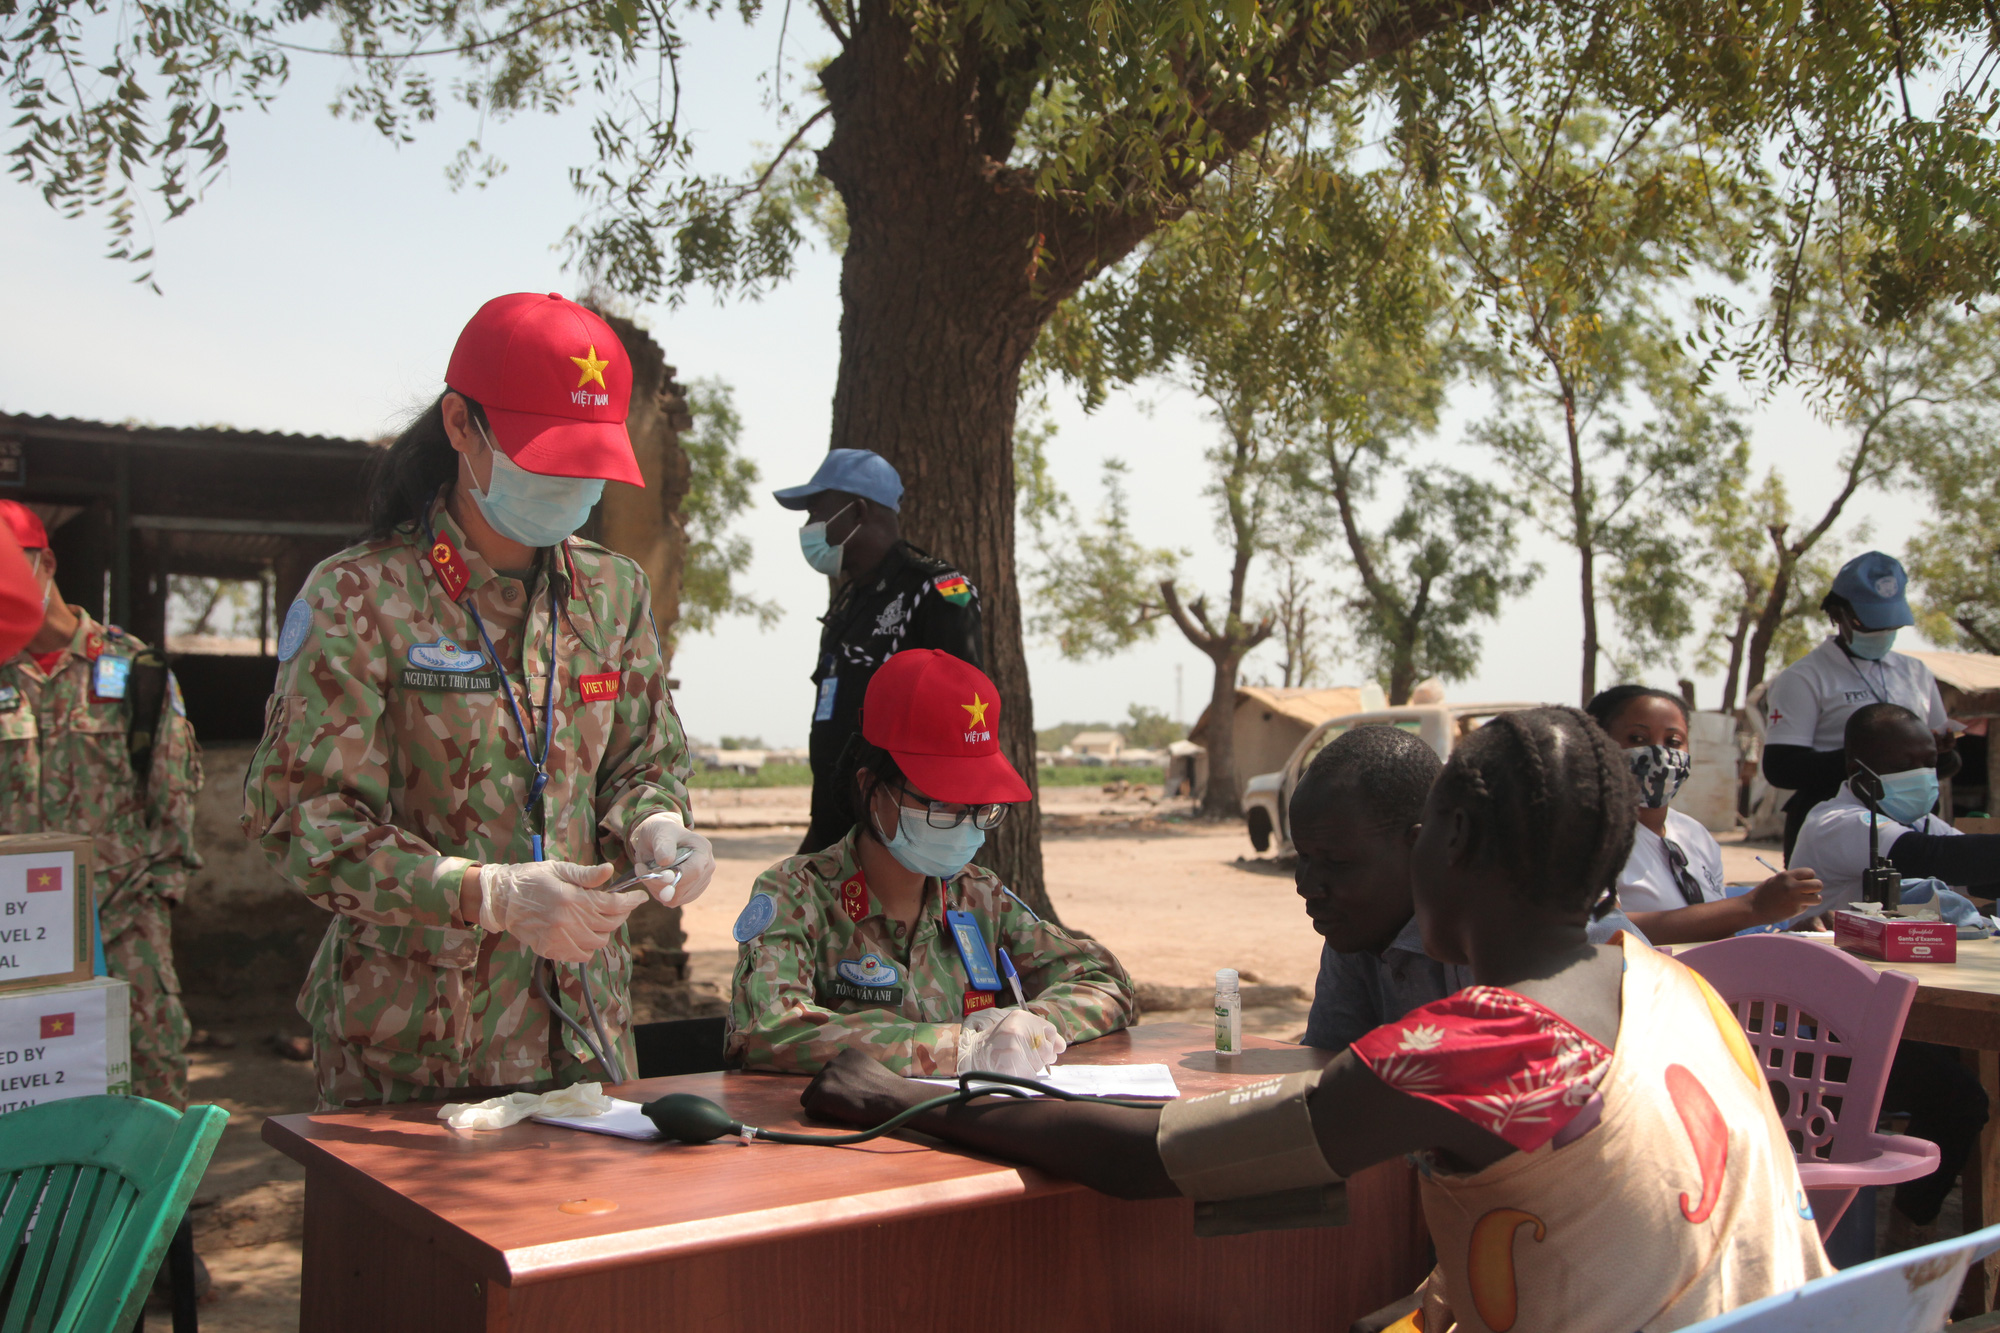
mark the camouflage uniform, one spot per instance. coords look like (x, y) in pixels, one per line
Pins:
(66, 766)
(830, 971)
(390, 762)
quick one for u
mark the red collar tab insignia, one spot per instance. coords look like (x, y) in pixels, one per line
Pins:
(975, 1000)
(450, 566)
(592, 689)
(854, 898)
(93, 647)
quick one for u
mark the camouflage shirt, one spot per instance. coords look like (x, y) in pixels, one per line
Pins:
(821, 969)
(66, 766)
(391, 761)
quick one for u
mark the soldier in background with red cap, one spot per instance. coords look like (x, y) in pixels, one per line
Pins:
(470, 719)
(93, 739)
(891, 941)
(20, 596)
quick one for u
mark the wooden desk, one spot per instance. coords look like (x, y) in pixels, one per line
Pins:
(1958, 1004)
(410, 1224)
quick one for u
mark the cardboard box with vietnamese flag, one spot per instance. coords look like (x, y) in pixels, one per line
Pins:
(65, 1041)
(47, 913)
(1894, 940)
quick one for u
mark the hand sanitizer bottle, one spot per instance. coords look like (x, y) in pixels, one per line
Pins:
(1228, 1013)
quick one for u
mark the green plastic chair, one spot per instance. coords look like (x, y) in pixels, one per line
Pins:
(91, 1190)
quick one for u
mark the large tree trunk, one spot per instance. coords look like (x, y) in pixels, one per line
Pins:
(953, 264)
(939, 309)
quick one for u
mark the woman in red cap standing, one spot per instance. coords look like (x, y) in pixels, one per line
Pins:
(470, 719)
(890, 941)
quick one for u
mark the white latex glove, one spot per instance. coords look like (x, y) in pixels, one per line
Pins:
(578, 1099)
(655, 843)
(1009, 1041)
(550, 907)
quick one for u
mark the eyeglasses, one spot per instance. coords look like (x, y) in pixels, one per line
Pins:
(940, 814)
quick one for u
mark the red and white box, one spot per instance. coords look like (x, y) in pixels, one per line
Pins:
(1894, 940)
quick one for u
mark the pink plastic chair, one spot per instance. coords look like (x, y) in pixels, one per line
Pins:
(1824, 1028)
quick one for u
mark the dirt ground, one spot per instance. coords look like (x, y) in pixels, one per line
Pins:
(1173, 897)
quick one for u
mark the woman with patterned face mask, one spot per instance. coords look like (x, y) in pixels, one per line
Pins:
(1671, 885)
(890, 941)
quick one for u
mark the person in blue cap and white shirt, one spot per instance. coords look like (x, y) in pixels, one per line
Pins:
(888, 596)
(1811, 700)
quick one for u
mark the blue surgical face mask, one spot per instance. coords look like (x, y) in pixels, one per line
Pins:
(530, 508)
(822, 555)
(1908, 796)
(924, 850)
(1872, 644)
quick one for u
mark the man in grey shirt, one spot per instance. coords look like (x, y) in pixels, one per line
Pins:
(1354, 816)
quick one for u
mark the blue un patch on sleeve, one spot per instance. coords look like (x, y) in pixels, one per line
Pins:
(292, 637)
(759, 912)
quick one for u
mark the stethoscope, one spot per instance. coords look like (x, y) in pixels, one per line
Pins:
(593, 1039)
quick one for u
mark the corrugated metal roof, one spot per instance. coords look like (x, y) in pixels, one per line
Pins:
(114, 432)
(1971, 672)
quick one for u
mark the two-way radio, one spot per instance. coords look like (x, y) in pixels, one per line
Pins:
(1881, 882)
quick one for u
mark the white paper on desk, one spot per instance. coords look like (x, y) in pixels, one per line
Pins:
(1095, 1081)
(625, 1120)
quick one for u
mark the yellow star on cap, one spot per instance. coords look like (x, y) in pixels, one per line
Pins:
(592, 368)
(975, 712)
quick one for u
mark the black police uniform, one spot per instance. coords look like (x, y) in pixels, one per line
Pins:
(910, 600)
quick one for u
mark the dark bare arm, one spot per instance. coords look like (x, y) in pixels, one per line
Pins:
(1779, 898)
(1359, 1121)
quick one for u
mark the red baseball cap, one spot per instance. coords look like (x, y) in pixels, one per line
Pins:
(939, 717)
(555, 382)
(27, 529)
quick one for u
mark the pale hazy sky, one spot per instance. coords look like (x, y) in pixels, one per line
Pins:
(319, 286)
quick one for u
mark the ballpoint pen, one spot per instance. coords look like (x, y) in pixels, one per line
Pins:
(1013, 978)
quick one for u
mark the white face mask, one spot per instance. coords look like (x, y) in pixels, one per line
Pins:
(530, 508)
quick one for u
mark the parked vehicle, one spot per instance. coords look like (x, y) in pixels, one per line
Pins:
(1267, 798)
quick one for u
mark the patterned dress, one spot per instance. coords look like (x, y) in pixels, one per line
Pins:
(1653, 1187)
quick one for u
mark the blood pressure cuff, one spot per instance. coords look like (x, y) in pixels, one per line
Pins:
(1249, 1159)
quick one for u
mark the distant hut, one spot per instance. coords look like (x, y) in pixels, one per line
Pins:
(1270, 722)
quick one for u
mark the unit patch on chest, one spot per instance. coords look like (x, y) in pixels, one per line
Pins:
(446, 666)
(835, 989)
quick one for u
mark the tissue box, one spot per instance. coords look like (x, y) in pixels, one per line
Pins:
(1896, 941)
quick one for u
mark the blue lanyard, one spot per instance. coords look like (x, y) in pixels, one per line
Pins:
(532, 806)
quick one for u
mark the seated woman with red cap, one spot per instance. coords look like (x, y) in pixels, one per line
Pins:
(890, 941)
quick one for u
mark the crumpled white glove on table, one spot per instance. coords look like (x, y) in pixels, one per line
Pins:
(551, 907)
(656, 842)
(1009, 1041)
(512, 1109)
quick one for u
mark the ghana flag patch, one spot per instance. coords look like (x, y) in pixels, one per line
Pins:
(954, 589)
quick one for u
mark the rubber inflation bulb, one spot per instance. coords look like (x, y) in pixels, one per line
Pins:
(684, 1117)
